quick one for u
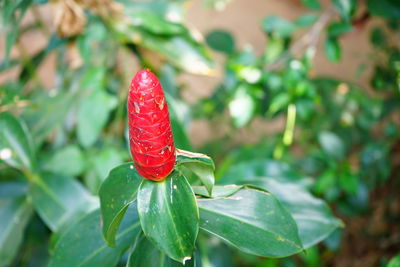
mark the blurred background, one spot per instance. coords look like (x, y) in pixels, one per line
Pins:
(302, 91)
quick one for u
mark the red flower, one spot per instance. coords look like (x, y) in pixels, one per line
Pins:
(150, 133)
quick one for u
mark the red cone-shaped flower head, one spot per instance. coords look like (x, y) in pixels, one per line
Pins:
(150, 133)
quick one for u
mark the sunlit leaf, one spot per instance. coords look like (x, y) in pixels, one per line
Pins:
(242, 107)
(15, 143)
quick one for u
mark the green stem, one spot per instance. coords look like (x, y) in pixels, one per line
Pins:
(288, 134)
(290, 123)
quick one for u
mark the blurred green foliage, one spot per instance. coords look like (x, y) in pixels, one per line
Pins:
(57, 145)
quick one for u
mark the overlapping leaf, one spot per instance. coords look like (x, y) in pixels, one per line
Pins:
(117, 192)
(169, 215)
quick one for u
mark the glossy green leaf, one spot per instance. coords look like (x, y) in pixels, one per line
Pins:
(250, 219)
(58, 199)
(93, 113)
(332, 144)
(312, 215)
(15, 143)
(144, 253)
(200, 164)
(83, 245)
(116, 193)
(333, 50)
(218, 191)
(169, 215)
(68, 161)
(314, 219)
(15, 212)
(221, 41)
(278, 25)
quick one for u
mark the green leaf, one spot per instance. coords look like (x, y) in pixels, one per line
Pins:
(346, 8)
(15, 212)
(156, 24)
(312, 215)
(384, 8)
(312, 4)
(15, 143)
(200, 164)
(332, 144)
(102, 161)
(178, 114)
(332, 49)
(378, 38)
(47, 112)
(242, 107)
(218, 191)
(93, 114)
(180, 50)
(83, 245)
(242, 171)
(12, 14)
(169, 215)
(338, 28)
(306, 20)
(395, 261)
(221, 41)
(250, 219)
(278, 25)
(68, 161)
(116, 193)
(59, 199)
(144, 253)
(278, 103)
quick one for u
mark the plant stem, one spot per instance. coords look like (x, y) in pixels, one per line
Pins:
(307, 41)
(290, 123)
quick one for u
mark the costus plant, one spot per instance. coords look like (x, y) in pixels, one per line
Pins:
(171, 211)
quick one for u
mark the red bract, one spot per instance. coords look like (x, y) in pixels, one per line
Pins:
(150, 133)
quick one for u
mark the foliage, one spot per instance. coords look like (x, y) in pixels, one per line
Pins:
(70, 195)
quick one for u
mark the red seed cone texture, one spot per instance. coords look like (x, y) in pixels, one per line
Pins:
(150, 133)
